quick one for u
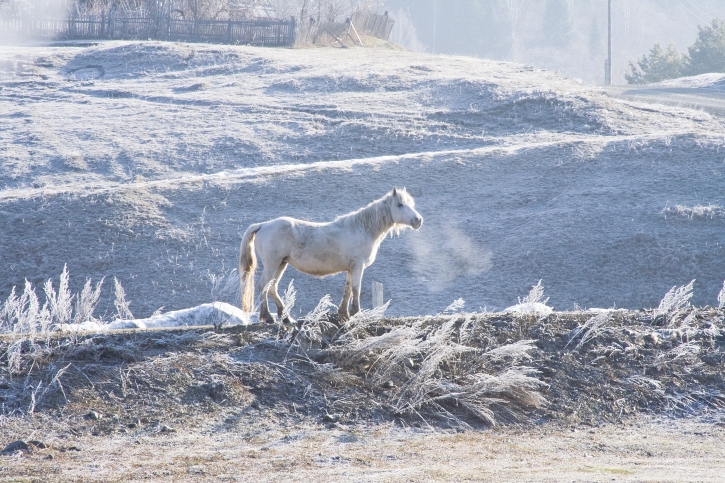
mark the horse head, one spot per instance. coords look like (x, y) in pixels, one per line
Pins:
(402, 209)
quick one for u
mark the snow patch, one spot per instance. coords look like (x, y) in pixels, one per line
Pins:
(217, 313)
(701, 212)
(597, 310)
(703, 81)
(530, 308)
(533, 303)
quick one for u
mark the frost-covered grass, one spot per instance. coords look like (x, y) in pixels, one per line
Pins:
(24, 315)
(534, 302)
(453, 369)
(695, 212)
(161, 154)
(430, 362)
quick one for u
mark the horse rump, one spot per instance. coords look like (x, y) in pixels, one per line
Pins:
(247, 266)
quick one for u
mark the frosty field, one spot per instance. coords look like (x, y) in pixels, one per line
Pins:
(146, 161)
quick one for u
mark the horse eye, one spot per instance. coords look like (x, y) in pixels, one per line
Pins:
(400, 205)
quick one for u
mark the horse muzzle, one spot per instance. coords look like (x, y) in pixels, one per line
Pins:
(416, 223)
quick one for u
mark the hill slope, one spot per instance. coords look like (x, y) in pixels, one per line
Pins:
(147, 160)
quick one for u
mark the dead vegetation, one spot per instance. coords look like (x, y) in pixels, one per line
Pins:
(451, 370)
(461, 370)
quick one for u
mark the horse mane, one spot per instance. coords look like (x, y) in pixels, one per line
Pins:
(376, 218)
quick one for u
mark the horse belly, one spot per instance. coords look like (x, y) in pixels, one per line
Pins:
(321, 252)
(318, 266)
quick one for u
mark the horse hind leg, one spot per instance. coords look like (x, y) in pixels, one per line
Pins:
(283, 317)
(266, 282)
(342, 311)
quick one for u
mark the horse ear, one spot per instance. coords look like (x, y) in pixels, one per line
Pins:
(395, 192)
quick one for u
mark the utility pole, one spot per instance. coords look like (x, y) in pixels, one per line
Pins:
(608, 62)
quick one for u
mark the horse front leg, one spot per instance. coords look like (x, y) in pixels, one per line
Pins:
(357, 274)
(342, 311)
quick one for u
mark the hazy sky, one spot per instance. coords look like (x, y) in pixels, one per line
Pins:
(568, 36)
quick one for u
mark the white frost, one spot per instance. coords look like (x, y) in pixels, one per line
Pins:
(217, 313)
(530, 308)
(703, 81)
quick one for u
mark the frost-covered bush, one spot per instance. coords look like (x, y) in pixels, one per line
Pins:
(674, 301)
(534, 302)
(432, 363)
(23, 315)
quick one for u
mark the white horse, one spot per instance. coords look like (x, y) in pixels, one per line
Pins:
(348, 244)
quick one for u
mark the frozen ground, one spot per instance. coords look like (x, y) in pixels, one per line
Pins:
(625, 396)
(147, 160)
(649, 450)
(703, 81)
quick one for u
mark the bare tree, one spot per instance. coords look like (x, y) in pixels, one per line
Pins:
(516, 15)
(322, 10)
(205, 9)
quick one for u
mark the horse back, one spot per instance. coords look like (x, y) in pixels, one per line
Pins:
(315, 248)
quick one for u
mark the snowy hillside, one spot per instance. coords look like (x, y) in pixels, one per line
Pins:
(147, 160)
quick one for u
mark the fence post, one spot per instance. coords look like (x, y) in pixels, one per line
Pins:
(292, 31)
(377, 294)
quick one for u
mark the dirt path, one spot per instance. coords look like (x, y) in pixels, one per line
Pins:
(643, 450)
(709, 100)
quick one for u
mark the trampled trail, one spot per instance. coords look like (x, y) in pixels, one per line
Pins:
(232, 176)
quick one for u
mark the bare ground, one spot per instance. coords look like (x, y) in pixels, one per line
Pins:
(628, 396)
(641, 449)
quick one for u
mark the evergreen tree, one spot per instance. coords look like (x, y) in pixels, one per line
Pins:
(707, 54)
(658, 66)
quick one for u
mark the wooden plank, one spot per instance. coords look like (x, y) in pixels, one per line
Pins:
(377, 294)
(356, 34)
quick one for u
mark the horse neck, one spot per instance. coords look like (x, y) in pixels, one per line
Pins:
(375, 218)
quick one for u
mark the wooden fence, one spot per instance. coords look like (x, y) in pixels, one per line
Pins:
(275, 33)
(264, 32)
(372, 24)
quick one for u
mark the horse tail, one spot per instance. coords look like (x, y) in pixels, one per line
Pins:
(247, 266)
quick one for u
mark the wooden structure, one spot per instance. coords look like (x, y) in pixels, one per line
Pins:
(345, 34)
(263, 32)
(377, 294)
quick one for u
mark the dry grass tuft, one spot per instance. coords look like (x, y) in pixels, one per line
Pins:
(459, 370)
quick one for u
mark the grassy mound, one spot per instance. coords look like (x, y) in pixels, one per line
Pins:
(465, 370)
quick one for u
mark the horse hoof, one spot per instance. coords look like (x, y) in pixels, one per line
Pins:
(289, 321)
